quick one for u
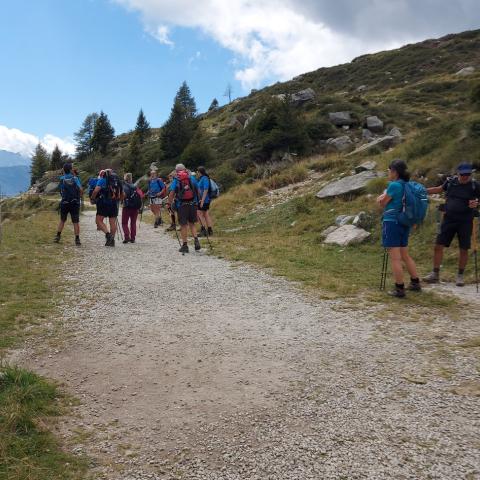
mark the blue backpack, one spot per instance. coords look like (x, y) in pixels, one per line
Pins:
(92, 183)
(415, 204)
(213, 190)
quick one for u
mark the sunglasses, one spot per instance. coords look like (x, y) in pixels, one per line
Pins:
(465, 174)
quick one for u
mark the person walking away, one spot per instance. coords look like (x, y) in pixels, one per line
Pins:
(107, 195)
(462, 199)
(184, 192)
(394, 234)
(71, 192)
(204, 203)
(132, 203)
(156, 192)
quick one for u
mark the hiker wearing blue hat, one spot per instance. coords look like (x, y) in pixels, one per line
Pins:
(462, 199)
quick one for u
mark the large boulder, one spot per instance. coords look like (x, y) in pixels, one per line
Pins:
(368, 165)
(303, 96)
(51, 187)
(464, 72)
(341, 144)
(339, 119)
(347, 235)
(342, 220)
(346, 185)
(374, 124)
(384, 143)
(367, 135)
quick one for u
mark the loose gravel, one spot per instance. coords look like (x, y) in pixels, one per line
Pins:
(192, 367)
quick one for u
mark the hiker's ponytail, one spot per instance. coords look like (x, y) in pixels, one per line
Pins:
(401, 168)
(202, 171)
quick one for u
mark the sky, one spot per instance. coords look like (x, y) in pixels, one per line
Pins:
(63, 59)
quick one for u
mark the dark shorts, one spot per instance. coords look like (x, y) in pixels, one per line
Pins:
(206, 206)
(394, 235)
(105, 209)
(450, 228)
(70, 208)
(187, 213)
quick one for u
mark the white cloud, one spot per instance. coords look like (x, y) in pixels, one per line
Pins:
(278, 39)
(14, 140)
(162, 34)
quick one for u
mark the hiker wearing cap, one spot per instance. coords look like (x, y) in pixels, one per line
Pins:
(156, 192)
(462, 199)
(184, 192)
(71, 192)
(204, 203)
(107, 195)
(394, 234)
(132, 203)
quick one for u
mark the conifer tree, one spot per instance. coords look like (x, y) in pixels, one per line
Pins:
(83, 138)
(40, 164)
(142, 128)
(184, 97)
(133, 162)
(103, 134)
(213, 106)
(56, 159)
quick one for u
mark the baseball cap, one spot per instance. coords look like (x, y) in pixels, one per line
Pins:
(465, 169)
(180, 166)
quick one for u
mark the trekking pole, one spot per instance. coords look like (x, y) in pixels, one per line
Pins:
(383, 275)
(119, 231)
(206, 232)
(475, 255)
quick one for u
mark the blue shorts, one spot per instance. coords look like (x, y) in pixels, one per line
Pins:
(394, 235)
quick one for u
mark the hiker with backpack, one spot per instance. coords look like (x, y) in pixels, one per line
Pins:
(156, 192)
(132, 203)
(184, 194)
(208, 190)
(171, 212)
(395, 230)
(462, 200)
(71, 192)
(107, 195)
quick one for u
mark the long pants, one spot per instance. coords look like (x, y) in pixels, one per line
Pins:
(129, 214)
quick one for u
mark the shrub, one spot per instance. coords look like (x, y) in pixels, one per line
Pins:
(294, 174)
(376, 186)
(226, 176)
(475, 95)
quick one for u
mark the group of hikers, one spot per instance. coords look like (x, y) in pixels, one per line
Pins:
(186, 195)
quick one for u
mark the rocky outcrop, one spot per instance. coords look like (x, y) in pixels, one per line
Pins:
(51, 187)
(352, 184)
(374, 124)
(340, 119)
(341, 144)
(369, 165)
(384, 143)
(347, 235)
(465, 72)
(342, 220)
(303, 96)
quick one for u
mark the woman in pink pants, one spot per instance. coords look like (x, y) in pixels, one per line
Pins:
(131, 205)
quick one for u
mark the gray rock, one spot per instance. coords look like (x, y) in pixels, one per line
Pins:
(303, 96)
(328, 231)
(368, 165)
(347, 235)
(351, 184)
(384, 143)
(364, 220)
(344, 220)
(51, 187)
(362, 88)
(464, 72)
(395, 132)
(367, 134)
(341, 144)
(339, 119)
(374, 124)
(280, 96)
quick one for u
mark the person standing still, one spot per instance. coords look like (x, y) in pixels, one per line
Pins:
(132, 202)
(156, 192)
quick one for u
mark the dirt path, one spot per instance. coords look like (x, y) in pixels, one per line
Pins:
(196, 368)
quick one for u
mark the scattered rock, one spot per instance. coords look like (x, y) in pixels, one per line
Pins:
(328, 230)
(464, 72)
(339, 119)
(343, 220)
(395, 132)
(368, 165)
(367, 134)
(51, 187)
(347, 235)
(350, 184)
(364, 220)
(303, 96)
(362, 88)
(341, 144)
(374, 124)
(386, 142)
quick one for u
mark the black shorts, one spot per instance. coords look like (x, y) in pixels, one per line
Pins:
(187, 213)
(206, 207)
(449, 228)
(73, 209)
(106, 209)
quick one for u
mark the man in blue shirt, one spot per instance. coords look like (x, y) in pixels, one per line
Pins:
(156, 192)
(184, 192)
(71, 192)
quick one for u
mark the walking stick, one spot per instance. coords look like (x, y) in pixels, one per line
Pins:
(206, 231)
(474, 242)
(119, 231)
(383, 275)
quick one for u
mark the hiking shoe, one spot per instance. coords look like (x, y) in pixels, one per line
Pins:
(432, 277)
(78, 243)
(171, 228)
(415, 287)
(107, 239)
(57, 239)
(397, 293)
(111, 242)
(126, 241)
(183, 248)
(132, 240)
(197, 243)
(459, 282)
(210, 231)
(203, 232)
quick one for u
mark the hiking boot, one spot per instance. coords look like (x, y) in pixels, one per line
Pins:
(78, 243)
(432, 277)
(415, 287)
(57, 238)
(210, 231)
(132, 240)
(397, 293)
(203, 232)
(107, 239)
(460, 282)
(126, 241)
(111, 242)
(197, 243)
(171, 228)
(183, 248)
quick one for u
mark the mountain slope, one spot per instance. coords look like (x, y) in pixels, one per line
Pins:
(10, 159)
(14, 180)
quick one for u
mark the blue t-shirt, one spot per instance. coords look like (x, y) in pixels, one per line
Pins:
(155, 186)
(394, 206)
(102, 183)
(173, 187)
(204, 184)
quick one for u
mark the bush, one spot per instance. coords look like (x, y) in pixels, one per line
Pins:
(226, 176)
(196, 155)
(474, 128)
(294, 174)
(475, 96)
(376, 186)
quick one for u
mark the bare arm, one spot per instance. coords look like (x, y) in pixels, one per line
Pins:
(433, 190)
(95, 193)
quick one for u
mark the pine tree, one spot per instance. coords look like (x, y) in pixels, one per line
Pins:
(103, 134)
(142, 127)
(134, 161)
(56, 159)
(184, 97)
(213, 106)
(83, 138)
(40, 164)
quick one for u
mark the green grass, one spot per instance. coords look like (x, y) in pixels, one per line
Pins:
(29, 287)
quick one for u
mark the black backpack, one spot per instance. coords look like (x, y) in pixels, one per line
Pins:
(132, 198)
(70, 190)
(113, 187)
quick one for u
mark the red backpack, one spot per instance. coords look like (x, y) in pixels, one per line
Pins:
(184, 190)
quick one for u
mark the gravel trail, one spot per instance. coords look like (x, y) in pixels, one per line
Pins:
(193, 367)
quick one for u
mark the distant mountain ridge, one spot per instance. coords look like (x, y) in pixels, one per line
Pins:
(11, 159)
(14, 173)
